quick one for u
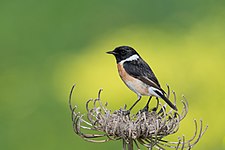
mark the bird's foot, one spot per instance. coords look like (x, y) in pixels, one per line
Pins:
(125, 112)
(162, 110)
(154, 109)
(145, 109)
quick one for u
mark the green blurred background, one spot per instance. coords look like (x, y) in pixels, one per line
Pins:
(47, 46)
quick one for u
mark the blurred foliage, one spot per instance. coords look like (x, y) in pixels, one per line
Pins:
(46, 46)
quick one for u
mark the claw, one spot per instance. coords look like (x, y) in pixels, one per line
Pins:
(145, 109)
(125, 112)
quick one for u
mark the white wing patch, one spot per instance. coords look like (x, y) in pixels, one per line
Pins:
(152, 91)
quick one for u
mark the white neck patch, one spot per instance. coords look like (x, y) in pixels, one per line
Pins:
(131, 58)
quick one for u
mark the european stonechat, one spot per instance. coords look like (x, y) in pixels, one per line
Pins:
(138, 76)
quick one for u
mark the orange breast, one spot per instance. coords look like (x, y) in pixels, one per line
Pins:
(134, 84)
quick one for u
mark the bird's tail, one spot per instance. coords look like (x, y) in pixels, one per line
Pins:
(166, 100)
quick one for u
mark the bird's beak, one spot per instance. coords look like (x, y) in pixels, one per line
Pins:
(111, 52)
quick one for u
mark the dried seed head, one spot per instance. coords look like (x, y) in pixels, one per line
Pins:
(146, 128)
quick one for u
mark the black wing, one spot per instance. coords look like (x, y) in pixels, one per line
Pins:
(141, 70)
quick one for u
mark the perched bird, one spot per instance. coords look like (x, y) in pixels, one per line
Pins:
(138, 76)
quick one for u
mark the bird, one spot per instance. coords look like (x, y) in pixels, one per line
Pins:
(138, 76)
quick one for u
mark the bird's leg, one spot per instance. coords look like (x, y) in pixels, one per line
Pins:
(128, 111)
(157, 105)
(139, 98)
(146, 106)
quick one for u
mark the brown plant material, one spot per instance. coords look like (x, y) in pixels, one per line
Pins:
(144, 128)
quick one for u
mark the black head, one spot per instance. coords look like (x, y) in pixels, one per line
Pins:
(122, 53)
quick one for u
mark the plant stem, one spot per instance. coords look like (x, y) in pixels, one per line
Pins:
(130, 144)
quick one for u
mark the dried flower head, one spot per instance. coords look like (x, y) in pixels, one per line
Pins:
(147, 128)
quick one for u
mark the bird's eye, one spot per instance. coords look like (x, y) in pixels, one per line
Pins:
(123, 52)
